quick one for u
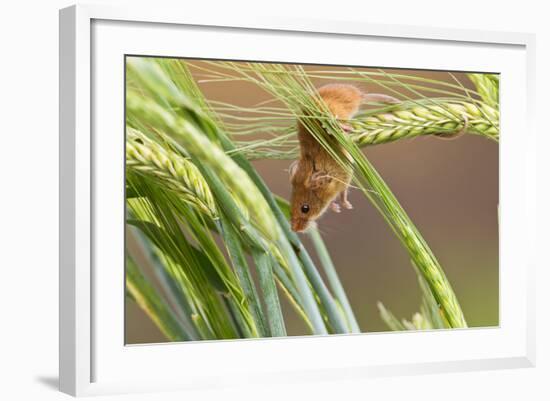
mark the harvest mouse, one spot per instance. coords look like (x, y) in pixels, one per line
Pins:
(318, 181)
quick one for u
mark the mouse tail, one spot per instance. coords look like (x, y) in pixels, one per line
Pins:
(379, 98)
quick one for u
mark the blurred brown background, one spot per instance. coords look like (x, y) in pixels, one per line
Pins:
(449, 188)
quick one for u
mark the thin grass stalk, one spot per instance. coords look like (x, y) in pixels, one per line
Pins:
(290, 290)
(232, 289)
(432, 310)
(239, 323)
(418, 322)
(430, 316)
(242, 269)
(391, 321)
(174, 294)
(264, 262)
(149, 301)
(202, 291)
(208, 75)
(205, 274)
(333, 279)
(204, 329)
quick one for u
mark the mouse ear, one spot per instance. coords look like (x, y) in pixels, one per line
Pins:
(292, 169)
(319, 179)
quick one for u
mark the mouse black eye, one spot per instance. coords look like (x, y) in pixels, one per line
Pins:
(305, 208)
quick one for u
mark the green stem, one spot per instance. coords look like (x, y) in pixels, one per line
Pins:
(333, 278)
(240, 265)
(236, 317)
(308, 300)
(391, 321)
(183, 310)
(152, 304)
(269, 289)
(377, 191)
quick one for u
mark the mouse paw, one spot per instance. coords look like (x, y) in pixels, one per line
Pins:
(347, 205)
(335, 207)
(346, 127)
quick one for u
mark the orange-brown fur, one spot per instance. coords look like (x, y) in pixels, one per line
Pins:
(317, 179)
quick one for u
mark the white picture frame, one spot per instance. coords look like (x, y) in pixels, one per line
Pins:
(93, 358)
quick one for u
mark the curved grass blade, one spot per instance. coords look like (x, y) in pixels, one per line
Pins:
(264, 262)
(149, 301)
(333, 279)
(174, 293)
(235, 251)
(202, 284)
(391, 321)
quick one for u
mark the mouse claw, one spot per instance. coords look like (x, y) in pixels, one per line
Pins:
(347, 205)
(346, 127)
(335, 207)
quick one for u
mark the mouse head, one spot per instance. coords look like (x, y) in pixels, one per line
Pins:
(306, 202)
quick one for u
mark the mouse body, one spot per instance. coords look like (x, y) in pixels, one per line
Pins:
(318, 181)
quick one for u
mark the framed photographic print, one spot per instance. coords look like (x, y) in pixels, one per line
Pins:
(313, 201)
